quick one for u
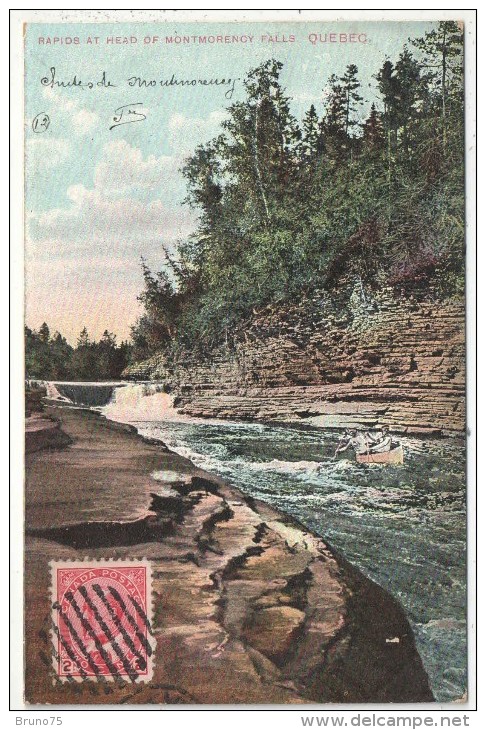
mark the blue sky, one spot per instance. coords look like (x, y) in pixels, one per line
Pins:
(97, 199)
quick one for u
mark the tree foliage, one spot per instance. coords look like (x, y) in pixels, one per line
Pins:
(53, 358)
(284, 207)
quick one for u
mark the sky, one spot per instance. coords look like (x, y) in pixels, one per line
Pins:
(98, 196)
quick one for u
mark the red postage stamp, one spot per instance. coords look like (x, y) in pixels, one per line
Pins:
(101, 620)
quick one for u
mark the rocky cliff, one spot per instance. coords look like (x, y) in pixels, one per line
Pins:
(357, 359)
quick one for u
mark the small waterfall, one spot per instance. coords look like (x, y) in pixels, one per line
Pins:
(93, 395)
(53, 393)
(50, 387)
(141, 402)
(123, 402)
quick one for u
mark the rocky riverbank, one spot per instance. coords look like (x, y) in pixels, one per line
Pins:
(249, 607)
(352, 360)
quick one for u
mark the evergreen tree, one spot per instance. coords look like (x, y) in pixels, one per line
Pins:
(258, 148)
(335, 117)
(56, 359)
(410, 90)
(310, 134)
(442, 49)
(205, 193)
(83, 338)
(388, 87)
(350, 85)
(44, 333)
(161, 303)
(373, 130)
(60, 354)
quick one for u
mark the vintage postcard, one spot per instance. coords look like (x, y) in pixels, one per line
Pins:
(245, 359)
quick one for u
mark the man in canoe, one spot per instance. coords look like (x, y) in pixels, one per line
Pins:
(369, 448)
(353, 439)
(380, 441)
(365, 443)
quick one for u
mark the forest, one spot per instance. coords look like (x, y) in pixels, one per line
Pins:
(51, 357)
(370, 191)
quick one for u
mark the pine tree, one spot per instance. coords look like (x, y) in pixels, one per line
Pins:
(373, 130)
(275, 131)
(334, 140)
(410, 91)
(83, 338)
(44, 333)
(310, 133)
(335, 117)
(350, 85)
(442, 49)
(202, 172)
(388, 87)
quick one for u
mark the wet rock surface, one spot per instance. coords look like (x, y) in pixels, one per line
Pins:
(43, 432)
(249, 607)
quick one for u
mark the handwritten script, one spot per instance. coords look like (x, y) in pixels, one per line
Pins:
(102, 81)
(127, 114)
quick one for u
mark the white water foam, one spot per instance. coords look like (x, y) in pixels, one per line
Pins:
(278, 466)
(148, 403)
(141, 402)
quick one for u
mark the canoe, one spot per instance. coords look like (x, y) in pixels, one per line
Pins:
(393, 456)
(383, 445)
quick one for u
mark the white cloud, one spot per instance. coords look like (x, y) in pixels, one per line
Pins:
(45, 153)
(123, 214)
(61, 102)
(83, 264)
(185, 133)
(123, 168)
(94, 220)
(82, 120)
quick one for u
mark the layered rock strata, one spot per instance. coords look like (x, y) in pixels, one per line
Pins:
(332, 363)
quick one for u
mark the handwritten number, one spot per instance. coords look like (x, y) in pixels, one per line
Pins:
(41, 123)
